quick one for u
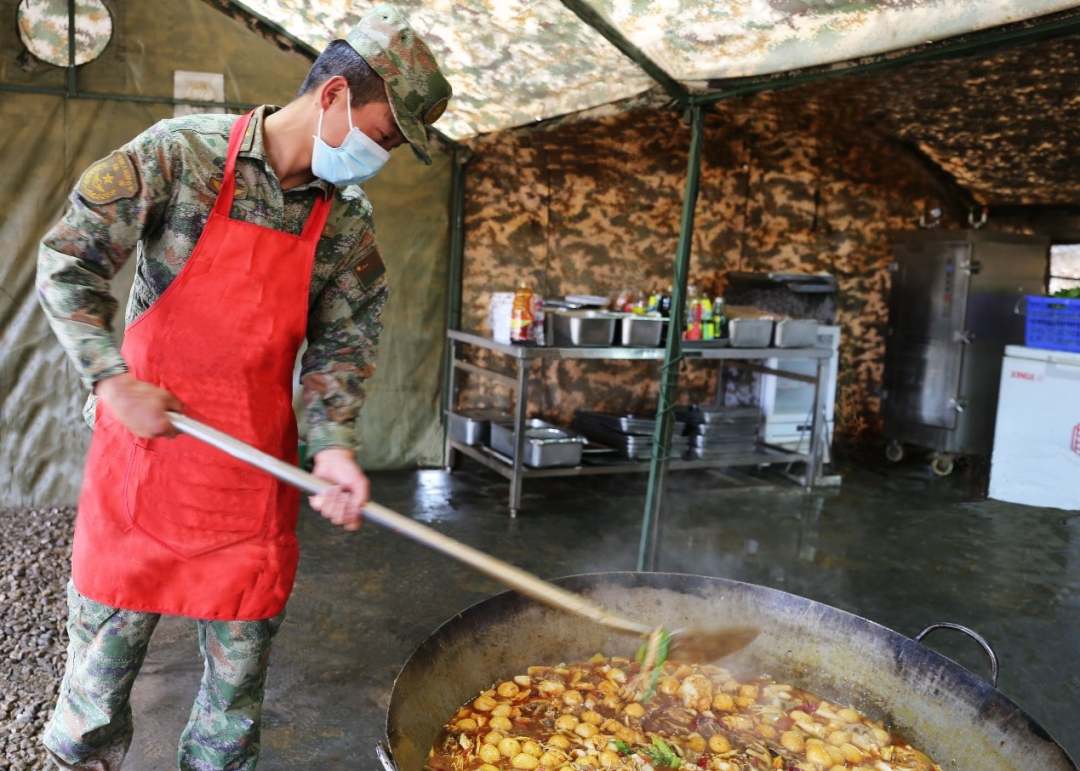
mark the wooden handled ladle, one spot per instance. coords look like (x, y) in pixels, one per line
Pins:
(693, 644)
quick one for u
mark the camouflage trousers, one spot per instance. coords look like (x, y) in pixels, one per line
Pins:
(91, 727)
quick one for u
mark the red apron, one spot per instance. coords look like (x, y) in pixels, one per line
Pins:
(172, 525)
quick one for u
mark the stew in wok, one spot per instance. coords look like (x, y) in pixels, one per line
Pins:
(608, 713)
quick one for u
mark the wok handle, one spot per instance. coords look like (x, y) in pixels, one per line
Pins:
(982, 641)
(503, 572)
(383, 753)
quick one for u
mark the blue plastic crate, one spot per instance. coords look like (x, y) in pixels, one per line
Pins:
(1053, 323)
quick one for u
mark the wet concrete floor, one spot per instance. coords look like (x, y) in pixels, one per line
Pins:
(895, 545)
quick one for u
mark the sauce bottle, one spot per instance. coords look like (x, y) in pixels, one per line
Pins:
(521, 315)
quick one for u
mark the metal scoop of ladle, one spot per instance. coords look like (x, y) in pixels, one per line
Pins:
(689, 644)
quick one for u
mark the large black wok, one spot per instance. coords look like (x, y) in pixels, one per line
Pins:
(959, 719)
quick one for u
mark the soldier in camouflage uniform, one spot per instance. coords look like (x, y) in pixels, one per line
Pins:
(154, 197)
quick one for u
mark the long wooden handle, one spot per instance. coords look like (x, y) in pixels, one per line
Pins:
(503, 572)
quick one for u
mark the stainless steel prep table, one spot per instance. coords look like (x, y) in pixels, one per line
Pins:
(515, 471)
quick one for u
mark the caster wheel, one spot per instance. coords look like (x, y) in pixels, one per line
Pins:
(894, 451)
(942, 465)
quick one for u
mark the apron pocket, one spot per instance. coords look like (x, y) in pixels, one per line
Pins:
(194, 503)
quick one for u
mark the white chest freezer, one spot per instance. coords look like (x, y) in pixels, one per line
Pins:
(1036, 456)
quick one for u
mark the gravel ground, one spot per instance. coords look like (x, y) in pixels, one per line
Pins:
(34, 567)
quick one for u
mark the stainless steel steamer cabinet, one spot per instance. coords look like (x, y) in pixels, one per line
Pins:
(957, 300)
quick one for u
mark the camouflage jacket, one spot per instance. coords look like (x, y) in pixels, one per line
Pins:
(153, 197)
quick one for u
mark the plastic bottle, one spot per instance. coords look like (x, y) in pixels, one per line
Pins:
(720, 318)
(693, 314)
(708, 330)
(521, 315)
(664, 305)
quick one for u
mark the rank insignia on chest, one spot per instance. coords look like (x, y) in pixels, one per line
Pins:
(111, 179)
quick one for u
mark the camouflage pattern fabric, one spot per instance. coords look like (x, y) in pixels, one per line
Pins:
(91, 727)
(697, 41)
(43, 29)
(153, 197)
(978, 118)
(594, 207)
(417, 91)
(515, 63)
(512, 62)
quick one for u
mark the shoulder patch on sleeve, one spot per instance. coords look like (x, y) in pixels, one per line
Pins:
(370, 269)
(111, 179)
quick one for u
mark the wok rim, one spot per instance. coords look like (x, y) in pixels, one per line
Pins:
(981, 685)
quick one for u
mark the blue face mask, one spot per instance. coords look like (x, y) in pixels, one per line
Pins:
(357, 160)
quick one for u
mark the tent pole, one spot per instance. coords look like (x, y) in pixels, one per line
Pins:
(584, 11)
(669, 373)
(71, 75)
(21, 88)
(459, 158)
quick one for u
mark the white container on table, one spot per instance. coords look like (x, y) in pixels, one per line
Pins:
(1036, 458)
(499, 311)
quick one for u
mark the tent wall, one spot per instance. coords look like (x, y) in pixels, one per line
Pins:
(399, 426)
(45, 143)
(594, 207)
(809, 178)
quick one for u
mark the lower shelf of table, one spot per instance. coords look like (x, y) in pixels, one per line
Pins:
(762, 456)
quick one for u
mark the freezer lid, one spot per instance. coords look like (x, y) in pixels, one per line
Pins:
(1042, 354)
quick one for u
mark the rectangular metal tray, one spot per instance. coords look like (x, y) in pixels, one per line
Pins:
(750, 333)
(473, 427)
(643, 331)
(643, 450)
(697, 453)
(643, 425)
(631, 446)
(718, 415)
(545, 444)
(740, 427)
(724, 442)
(581, 327)
(795, 333)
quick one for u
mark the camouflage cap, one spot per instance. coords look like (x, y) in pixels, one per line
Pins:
(418, 92)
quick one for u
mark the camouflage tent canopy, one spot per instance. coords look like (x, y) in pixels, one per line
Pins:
(514, 62)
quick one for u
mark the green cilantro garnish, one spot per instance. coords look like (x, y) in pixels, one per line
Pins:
(662, 646)
(661, 754)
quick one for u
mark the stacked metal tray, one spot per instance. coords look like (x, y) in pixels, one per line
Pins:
(629, 435)
(719, 432)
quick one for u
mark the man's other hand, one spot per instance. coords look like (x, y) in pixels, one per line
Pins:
(139, 406)
(344, 503)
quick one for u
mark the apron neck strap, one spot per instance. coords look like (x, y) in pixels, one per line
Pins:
(313, 228)
(316, 220)
(223, 204)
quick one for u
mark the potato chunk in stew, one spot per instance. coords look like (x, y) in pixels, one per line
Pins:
(591, 715)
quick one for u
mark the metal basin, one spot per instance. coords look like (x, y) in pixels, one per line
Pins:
(582, 327)
(961, 720)
(643, 331)
(546, 445)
